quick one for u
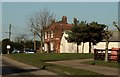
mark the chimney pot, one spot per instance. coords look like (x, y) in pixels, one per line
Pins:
(64, 19)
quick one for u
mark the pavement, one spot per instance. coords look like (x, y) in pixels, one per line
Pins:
(32, 70)
(95, 68)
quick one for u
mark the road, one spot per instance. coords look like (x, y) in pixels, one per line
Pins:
(12, 68)
(9, 69)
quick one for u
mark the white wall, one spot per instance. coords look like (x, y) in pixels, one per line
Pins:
(101, 45)
(66, 47)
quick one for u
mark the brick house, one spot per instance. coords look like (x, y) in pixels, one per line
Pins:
(53, 34)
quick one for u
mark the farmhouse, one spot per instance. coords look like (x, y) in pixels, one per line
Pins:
(53, 34)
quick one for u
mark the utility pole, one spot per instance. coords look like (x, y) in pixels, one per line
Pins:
(10, 31)
(9, 34)
(34, 40)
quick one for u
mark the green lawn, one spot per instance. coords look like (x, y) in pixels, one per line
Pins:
(40, 59)
(51, 56)
(103, 63)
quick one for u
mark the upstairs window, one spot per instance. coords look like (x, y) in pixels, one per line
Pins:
(45, 35)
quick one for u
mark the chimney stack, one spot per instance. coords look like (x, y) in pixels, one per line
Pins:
(64, 19)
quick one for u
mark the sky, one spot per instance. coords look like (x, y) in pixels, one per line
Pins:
(0, 20)
(59, 0)
(16, 13)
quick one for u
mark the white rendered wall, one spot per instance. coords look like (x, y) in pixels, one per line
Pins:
(66, 47)
(101, 45)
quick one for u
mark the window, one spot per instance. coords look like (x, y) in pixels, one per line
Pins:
(48, 34)
(51, 34)
(45, 35)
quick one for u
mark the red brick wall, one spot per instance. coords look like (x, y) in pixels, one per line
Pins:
(57, 28)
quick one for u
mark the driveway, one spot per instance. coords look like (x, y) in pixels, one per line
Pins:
(94, 68)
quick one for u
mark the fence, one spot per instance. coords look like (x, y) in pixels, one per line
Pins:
(113, 54)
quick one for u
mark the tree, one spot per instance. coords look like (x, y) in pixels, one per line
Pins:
(85, 32)
(95, 33)
(116, 25)
(73, 35)
(21, 39)
(6, 42)
(107, 36)
(38, 21)
(17, 45)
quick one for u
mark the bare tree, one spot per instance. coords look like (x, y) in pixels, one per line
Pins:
(21, 38)
(107, 36)
(116, 25)
(38, 21)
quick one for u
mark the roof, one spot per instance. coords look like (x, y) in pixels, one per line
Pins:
(58, 26)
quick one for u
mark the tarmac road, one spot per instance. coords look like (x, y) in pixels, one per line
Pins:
(9, 69)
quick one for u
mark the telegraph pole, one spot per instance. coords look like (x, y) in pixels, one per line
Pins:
(10, 31)
(34, 40)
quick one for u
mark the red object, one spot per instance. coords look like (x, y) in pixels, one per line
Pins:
(115, 48)
(114, 53)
